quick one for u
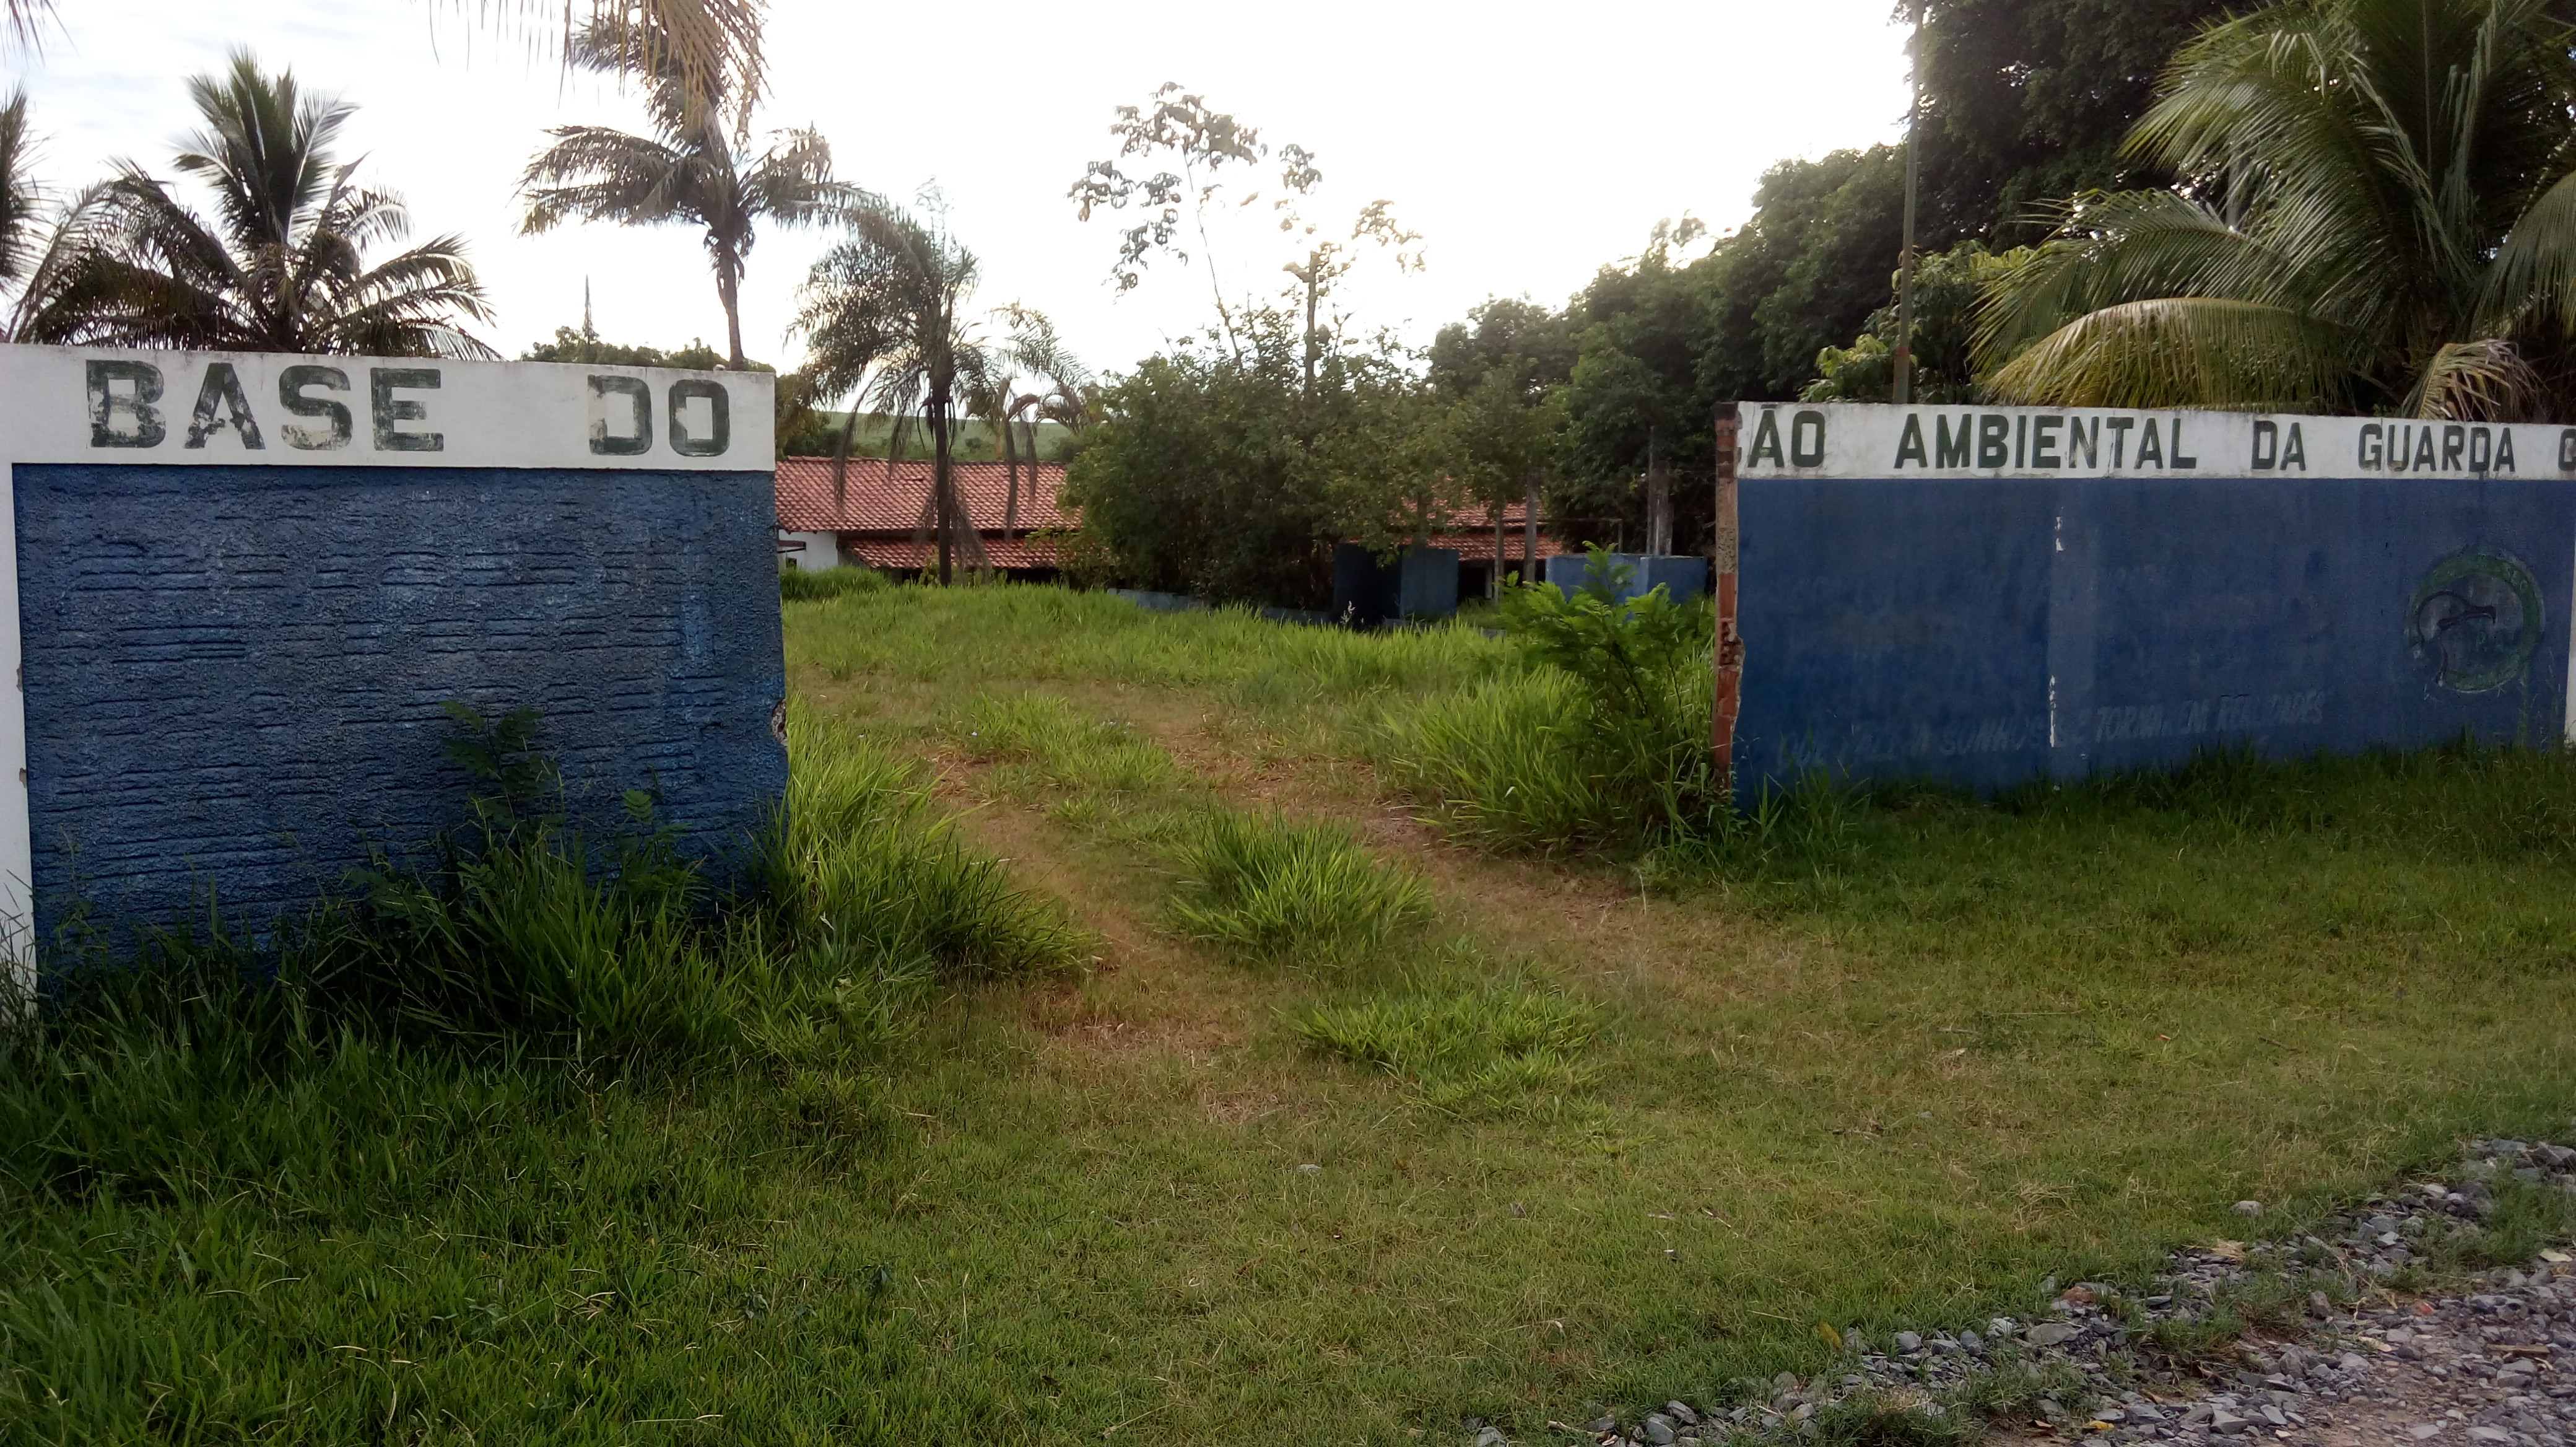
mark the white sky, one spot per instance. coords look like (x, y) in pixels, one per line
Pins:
(1529, 145)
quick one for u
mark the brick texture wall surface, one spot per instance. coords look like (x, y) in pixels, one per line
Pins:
(235, 677)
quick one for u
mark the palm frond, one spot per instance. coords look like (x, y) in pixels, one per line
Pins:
(2180, 352)
(2535, 270)
(792, 181)
(596, 173)
(697, 57)
(2480, 381)
(21, 198)
(2120, 247)
(23, 24)
(265, 149)
(281, 267)
(70, 238)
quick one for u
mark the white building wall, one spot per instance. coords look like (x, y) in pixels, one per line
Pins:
(821, 550)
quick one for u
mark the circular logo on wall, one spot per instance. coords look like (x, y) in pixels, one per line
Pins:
(2476, 621)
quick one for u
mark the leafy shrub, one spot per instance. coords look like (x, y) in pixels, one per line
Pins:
(1083, 558)
(1605, 743)
(1272, 889)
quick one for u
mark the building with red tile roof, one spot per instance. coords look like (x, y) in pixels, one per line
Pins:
(880, 515)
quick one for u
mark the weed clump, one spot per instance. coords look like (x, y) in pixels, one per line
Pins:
(1270, 889)
(796, 585)
(1487, 1045)
(1604, 743)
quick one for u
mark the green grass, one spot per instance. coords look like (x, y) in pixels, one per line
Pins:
(1273, 889)
(1502, 763)
(797, 585)
(1880, 1063)
(1492, 1043)
(495, 1146)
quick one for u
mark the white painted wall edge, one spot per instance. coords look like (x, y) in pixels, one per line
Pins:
(1874, 440)
(83, 404)
(17, 846)
(818, 551)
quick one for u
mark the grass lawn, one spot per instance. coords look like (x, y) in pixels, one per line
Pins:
(1535, 1136)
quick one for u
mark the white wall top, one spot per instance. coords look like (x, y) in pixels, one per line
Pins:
(1850, 439)
(80, 404)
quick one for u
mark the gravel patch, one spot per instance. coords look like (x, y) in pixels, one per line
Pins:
(2489, 1362)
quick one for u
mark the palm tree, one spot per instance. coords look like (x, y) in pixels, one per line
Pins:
(282, 264)
(2378, 210)
(715, 37)
(1013, 415)
(885, 317)
(688, 171)
(1003, 408)
(42, 242)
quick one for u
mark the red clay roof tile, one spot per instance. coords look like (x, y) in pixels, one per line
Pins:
(881, 498)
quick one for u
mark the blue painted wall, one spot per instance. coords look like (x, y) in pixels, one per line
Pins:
(1681, 577)
(234, 676)
(1986, 632)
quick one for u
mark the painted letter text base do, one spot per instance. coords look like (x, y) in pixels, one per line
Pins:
(243, 589)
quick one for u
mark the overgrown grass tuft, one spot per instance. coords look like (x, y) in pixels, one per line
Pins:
(1060, 748)
(1500, 762)
(524, 947)
(871, 877)
(522, 931)
(1270, 888)
(796, 585)
(1485, 1045)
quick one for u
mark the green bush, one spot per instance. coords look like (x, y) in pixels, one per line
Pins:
(1273, 889)
(1604, 743)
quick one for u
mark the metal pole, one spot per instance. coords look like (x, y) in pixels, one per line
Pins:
(1728, 656)
(1529, 532)
(1905, 256)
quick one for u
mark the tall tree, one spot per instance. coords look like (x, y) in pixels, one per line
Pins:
(689, 171)
(2380, 211)
(1201, 475)
(281, 265)
(1504, 372)
(2027, 102)
(1035, 358)
(886, 317)
(1180, 129)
